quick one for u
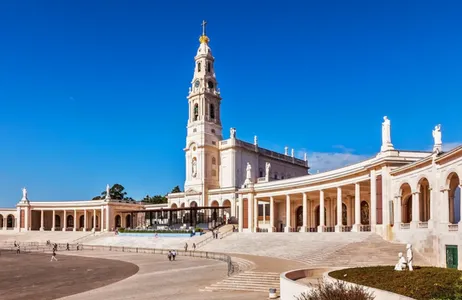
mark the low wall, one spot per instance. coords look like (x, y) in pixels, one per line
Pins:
(289, 288)
(379, 294)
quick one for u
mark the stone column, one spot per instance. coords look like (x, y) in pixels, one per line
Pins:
(338, 227)
(94, 220)
(350, 211)
(288, 221)
(101, 224)
(322, 222)
(53, 221)
(26, 218)
(250, 212)
(398, 212)
(445, 209)
(241, 213)
(373, 206)
(84, 220)
(108, 214)
(75, 220)
(255, 215)
(357, 224)
(41, 220)
(64, 221)
(460, 221)
(305, 213)
(271, 229)
(415, 210)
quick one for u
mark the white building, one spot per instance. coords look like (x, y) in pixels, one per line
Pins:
(405, 196)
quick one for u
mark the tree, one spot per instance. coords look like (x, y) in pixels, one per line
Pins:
(116, 192)
(176, 190)
(157, 199)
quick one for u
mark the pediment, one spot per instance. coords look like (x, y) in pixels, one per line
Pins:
(192, 191)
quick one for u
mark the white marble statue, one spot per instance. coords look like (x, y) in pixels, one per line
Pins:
(194, 168)
(437, 135)
(24, 193)
(232, 132)
(386, 134)
(286, 150)
(401, 265)
(268, 167)
(410, 257)
(255, 140)
(249, 171)
(292, 153)
(108, 194)
(305, 157)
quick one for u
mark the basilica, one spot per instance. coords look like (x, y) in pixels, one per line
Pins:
(402, 195)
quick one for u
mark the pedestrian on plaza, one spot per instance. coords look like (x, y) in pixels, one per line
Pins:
(67, 247)
(53, 256)
(18, 249)
(194, 246)
(186, 247)
(174, 254)
(169, 255)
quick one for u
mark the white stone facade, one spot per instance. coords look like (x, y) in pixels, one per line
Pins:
(406, 196)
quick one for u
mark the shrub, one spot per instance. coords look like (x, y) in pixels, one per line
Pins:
(337, 290)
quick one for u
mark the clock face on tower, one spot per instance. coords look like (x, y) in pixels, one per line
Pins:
(196, 84)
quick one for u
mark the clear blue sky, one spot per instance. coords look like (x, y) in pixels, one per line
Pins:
(94, 92)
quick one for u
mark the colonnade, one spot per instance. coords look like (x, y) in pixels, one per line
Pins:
(308, 208)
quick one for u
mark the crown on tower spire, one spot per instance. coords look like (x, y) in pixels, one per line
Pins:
(204, 38)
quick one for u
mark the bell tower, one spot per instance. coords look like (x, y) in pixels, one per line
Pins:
(204, 130)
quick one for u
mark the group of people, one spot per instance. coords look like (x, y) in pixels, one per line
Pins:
(186, 247)
(171, 255)
(403, 262)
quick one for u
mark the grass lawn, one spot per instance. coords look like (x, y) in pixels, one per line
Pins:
(424, 283)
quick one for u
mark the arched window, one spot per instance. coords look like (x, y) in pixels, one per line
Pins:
(198, 67)
(364, 213)
(209, 66)
(196, 112)
(212, 111)
(214, 161)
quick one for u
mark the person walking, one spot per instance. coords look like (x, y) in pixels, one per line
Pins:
(186, 247)
(18, 249)
(174, 254)
(53, 256)
(194, 246)
(67, 247)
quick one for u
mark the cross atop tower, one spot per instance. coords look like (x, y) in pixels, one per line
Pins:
(204, 24)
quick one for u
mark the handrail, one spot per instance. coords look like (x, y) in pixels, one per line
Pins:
(233, 267)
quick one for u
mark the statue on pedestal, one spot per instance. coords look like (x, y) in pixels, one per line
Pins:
(437, 138)
(232, 133)
(401, 265)
(292, 153)
(268, 167)
(255, 140)
(286, 150)
(386, 135)
(248, 176)
(24, 194)
(410, 257)
(108, 194)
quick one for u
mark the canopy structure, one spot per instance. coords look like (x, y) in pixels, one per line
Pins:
(200, 216)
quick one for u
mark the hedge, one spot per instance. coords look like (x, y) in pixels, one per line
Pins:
(424, 283)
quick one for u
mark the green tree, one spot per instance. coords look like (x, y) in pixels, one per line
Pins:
(157, 199)
(176, 189)
(117, 191)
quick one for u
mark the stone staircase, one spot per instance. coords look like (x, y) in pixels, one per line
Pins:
(250, 281)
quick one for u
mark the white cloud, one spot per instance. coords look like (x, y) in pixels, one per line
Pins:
(325, 161)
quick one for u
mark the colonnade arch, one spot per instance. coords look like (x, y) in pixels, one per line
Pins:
(10, 221)
(454, 197)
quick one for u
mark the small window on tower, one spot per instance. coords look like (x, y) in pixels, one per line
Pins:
(196, 112)
(212, 111)
(213, 130)
(214, 161)
(210, 83)
(198, 67)
(209, 67)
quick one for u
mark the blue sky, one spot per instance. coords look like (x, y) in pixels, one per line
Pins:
(94, 92)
